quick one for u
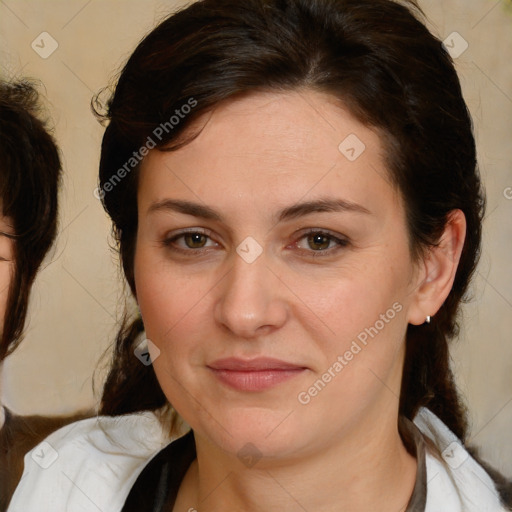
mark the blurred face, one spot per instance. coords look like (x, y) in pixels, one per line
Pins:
(274, 276)
(6, 265)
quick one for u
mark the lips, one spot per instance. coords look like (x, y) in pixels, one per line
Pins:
(258, 364)
(254, 374)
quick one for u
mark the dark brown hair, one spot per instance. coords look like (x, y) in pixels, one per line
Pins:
(379, 60)
(30, 172)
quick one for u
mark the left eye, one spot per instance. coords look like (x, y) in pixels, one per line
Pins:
(318, 241)
(195, 240)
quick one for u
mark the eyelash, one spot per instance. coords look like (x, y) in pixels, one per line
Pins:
(341, 242)
(168, 243)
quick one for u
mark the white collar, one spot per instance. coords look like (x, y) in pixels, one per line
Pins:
(456, 482)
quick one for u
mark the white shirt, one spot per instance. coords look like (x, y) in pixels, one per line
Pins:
(91, 465)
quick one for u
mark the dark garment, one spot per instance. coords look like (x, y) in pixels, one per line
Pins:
(156, 488)
(18, 436)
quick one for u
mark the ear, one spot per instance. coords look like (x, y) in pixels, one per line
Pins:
(437, 270)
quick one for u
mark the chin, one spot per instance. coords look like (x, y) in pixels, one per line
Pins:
(255, 433)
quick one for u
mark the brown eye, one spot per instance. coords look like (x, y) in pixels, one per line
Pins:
(318, 241)
(190, 243)
(195, 240)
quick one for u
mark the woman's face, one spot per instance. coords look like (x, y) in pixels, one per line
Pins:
(6, 265)
(274, 275)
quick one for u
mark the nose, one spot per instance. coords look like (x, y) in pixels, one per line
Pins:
(252, 300)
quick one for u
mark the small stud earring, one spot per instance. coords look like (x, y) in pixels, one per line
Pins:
(427, 320)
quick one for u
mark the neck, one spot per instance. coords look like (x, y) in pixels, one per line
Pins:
(358, 471)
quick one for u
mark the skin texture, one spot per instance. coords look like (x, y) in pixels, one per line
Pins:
(6, 272)
(6, 265)
(299, 301)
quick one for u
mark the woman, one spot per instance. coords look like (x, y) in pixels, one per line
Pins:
(294, 190)
(30, 172)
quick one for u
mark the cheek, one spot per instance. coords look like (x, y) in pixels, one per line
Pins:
(6, 271)
(361, 347)
(172, 309)
(170, 302)
(352, 299)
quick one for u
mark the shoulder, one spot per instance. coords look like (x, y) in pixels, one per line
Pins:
(19, 435)
(456, 482)
(30, 430)
(89, 465)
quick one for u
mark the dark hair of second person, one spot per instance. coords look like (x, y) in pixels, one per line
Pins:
(30, 173)
(30, 176)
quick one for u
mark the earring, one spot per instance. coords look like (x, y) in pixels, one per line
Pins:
(427, 320)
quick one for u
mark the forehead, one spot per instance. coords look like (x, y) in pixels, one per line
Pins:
(270, 146)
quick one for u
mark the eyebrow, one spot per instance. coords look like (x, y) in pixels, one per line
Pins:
(187, 208)
(321, 205)
(291, 212)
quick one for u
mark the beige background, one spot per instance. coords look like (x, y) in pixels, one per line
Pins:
(77, 297)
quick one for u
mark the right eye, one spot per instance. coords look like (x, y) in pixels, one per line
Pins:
(189, 242)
